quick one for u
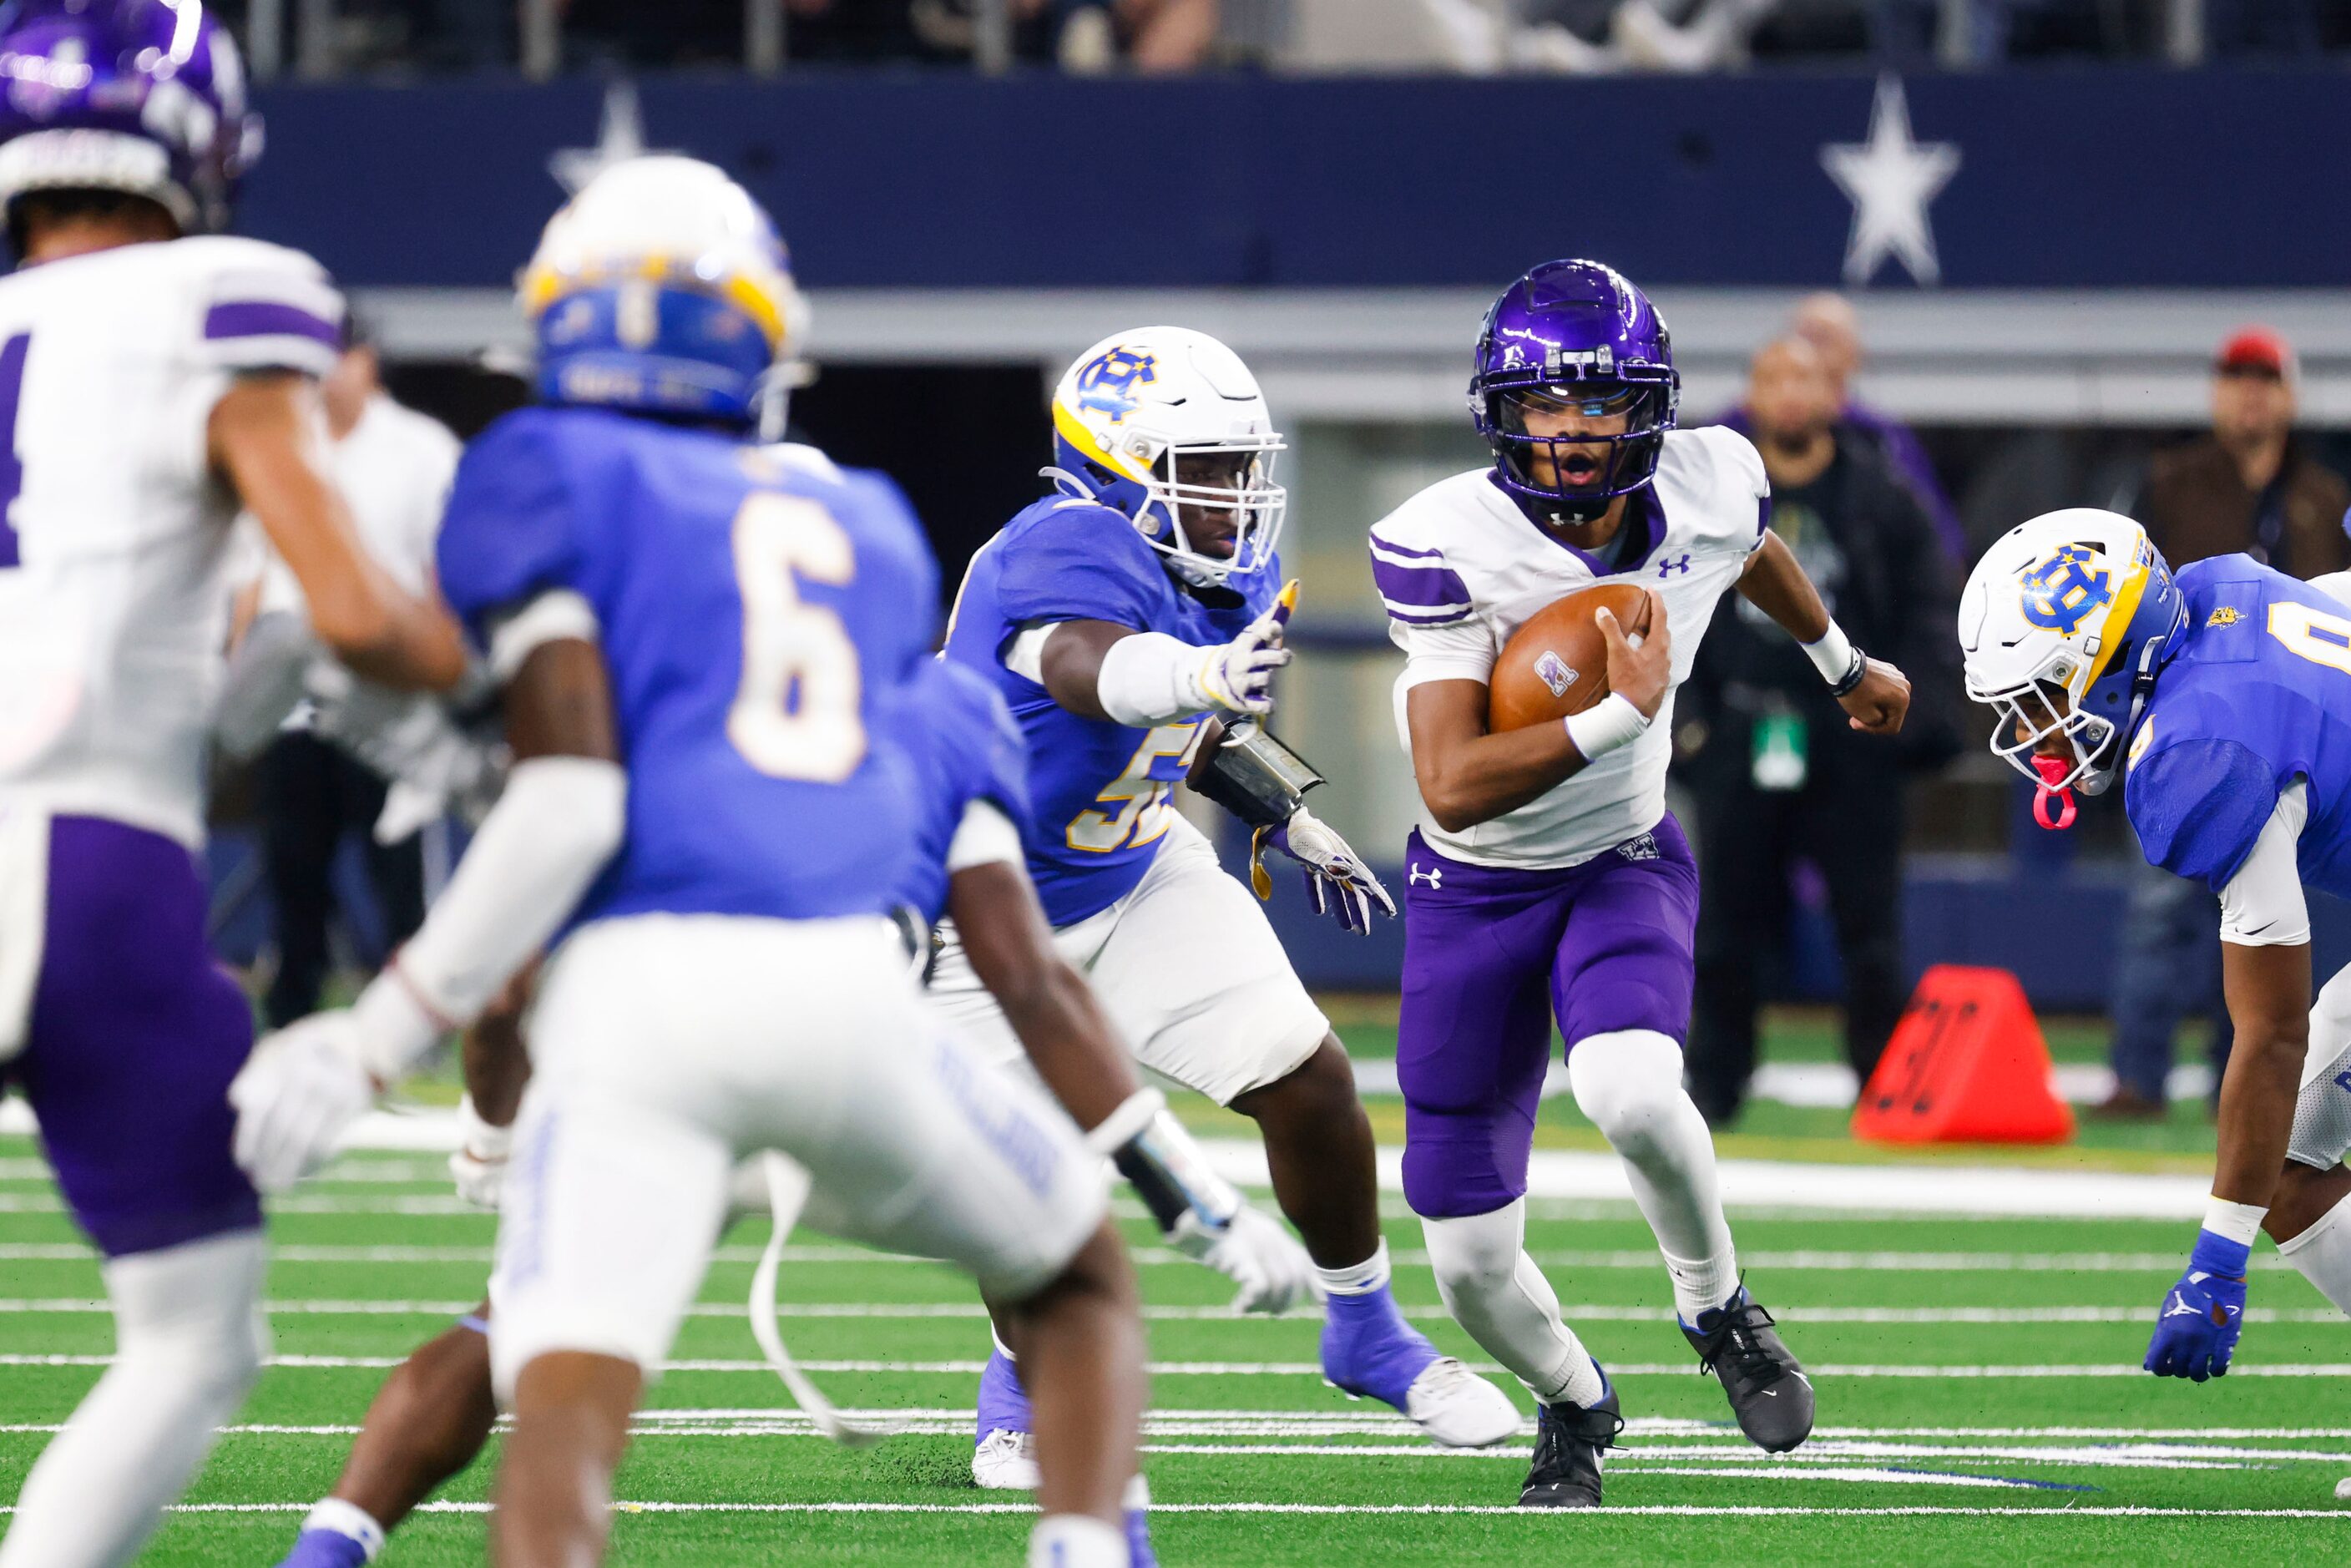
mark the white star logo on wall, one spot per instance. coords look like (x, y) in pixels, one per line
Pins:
(1890, 179)
(622, 135)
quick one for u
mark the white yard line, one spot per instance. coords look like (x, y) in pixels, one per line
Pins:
(1669, 1510)
(1555, 1174)
(1277, 1368)
(1582, 1311)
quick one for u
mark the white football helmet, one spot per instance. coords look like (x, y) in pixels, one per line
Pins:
(2078, 603)
(1167, 425)
(663, 286)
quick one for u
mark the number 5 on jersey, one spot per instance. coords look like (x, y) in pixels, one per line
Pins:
(1142, 800)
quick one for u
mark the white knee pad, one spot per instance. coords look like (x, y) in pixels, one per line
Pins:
(2322, 1113)
(190, 1317)
(1629, 1081)
(1474, 1258)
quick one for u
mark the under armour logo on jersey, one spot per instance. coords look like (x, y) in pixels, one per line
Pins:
(1643, 847)
(2343, 1081)
(1435, 875)
(1665, 569)
(1107, 383)
(2060, 592)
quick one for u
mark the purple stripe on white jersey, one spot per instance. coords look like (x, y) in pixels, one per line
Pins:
(269, 318)
(1762, 517)
(1380, 544)
(1445, 616)
(1422, 586)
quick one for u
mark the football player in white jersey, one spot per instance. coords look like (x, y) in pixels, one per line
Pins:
(149, 383)
(1546, 878)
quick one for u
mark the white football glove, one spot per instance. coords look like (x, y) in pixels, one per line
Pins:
(479, 1165)
(1254, 1251)
(1337, 881)
(1238, 676)
(296, 1096)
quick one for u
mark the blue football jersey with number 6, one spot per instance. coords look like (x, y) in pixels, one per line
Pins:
(2259, 696)
(1102, 791)
(756, 607)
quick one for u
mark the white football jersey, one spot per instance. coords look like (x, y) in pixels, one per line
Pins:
(1461, 568)
(114, 531)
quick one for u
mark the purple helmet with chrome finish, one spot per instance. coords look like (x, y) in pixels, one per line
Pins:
(1574, 337)
(143, 97)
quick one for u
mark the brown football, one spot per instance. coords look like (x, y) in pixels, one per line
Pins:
(1557, 662)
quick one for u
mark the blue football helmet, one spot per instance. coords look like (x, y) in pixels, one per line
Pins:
(663, 288)
(1574, 337)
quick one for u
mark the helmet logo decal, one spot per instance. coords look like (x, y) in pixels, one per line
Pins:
(1107, 382)
(2061, 592)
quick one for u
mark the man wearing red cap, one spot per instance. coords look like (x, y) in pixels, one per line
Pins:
(2247, 487)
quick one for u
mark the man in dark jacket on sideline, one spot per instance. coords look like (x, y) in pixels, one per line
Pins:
(1777, 773)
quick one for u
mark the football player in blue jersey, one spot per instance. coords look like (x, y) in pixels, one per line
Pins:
(1128, 618)
(699, 641)
(2221, 700)
(435, 1411)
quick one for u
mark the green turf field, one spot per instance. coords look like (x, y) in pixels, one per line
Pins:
(1979, 1396)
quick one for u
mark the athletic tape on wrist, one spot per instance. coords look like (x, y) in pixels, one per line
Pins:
(1608, 724)
(1831, 654)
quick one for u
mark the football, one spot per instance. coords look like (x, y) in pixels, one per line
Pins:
(1557, 664)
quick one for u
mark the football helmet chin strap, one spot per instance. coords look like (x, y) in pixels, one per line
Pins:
(2054, 809)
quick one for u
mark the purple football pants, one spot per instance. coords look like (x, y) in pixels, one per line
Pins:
(135, 1033)
(1490, 956)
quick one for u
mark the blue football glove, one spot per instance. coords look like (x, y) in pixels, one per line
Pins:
(2196, 1331)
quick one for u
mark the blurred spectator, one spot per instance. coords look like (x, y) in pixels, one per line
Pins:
(394, 466)
(2249, 485)
(1088, 37)
(1828, 322)
(1776, 772)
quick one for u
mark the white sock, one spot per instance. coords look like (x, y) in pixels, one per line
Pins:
(1496, 1294)
(349, 1519)
(1630, 1083)
(1076, 1541)
(1359, 1279)
(2323, 1255)
(189, 1342)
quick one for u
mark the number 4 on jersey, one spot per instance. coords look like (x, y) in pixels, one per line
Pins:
(12, 472)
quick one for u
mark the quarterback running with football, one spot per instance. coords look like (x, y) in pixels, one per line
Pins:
(152, 377)
(1128, 618)
(2221, 699)
(1546, 879)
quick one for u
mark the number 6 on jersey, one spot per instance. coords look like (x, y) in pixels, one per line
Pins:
(796, 710)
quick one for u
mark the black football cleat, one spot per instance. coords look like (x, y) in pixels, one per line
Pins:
(1569, 1441)
(1766, 1386)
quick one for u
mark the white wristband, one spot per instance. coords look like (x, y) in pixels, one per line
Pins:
(1610, 723)
(2240, 1222)
(1832, 655)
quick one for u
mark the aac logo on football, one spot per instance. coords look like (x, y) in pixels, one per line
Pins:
(2061, 592)
(1107, 383)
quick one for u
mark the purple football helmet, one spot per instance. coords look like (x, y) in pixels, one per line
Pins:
(145, 96)
(1574, 337)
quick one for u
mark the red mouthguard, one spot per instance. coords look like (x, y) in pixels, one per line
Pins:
(2053, 769)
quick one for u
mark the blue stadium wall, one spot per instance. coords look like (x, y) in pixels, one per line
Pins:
(2068, 178)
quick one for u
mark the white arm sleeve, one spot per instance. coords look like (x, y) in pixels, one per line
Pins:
(985, 836)
(2262, 906)
(560, 819)
(1150, 678)
(1463, 651)
(555, 616)
(2334, 585)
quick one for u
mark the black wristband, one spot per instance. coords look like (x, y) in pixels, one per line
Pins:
(1852, 676)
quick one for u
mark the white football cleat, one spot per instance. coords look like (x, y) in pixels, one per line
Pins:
(1459, 1408)
(1005, 1462)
